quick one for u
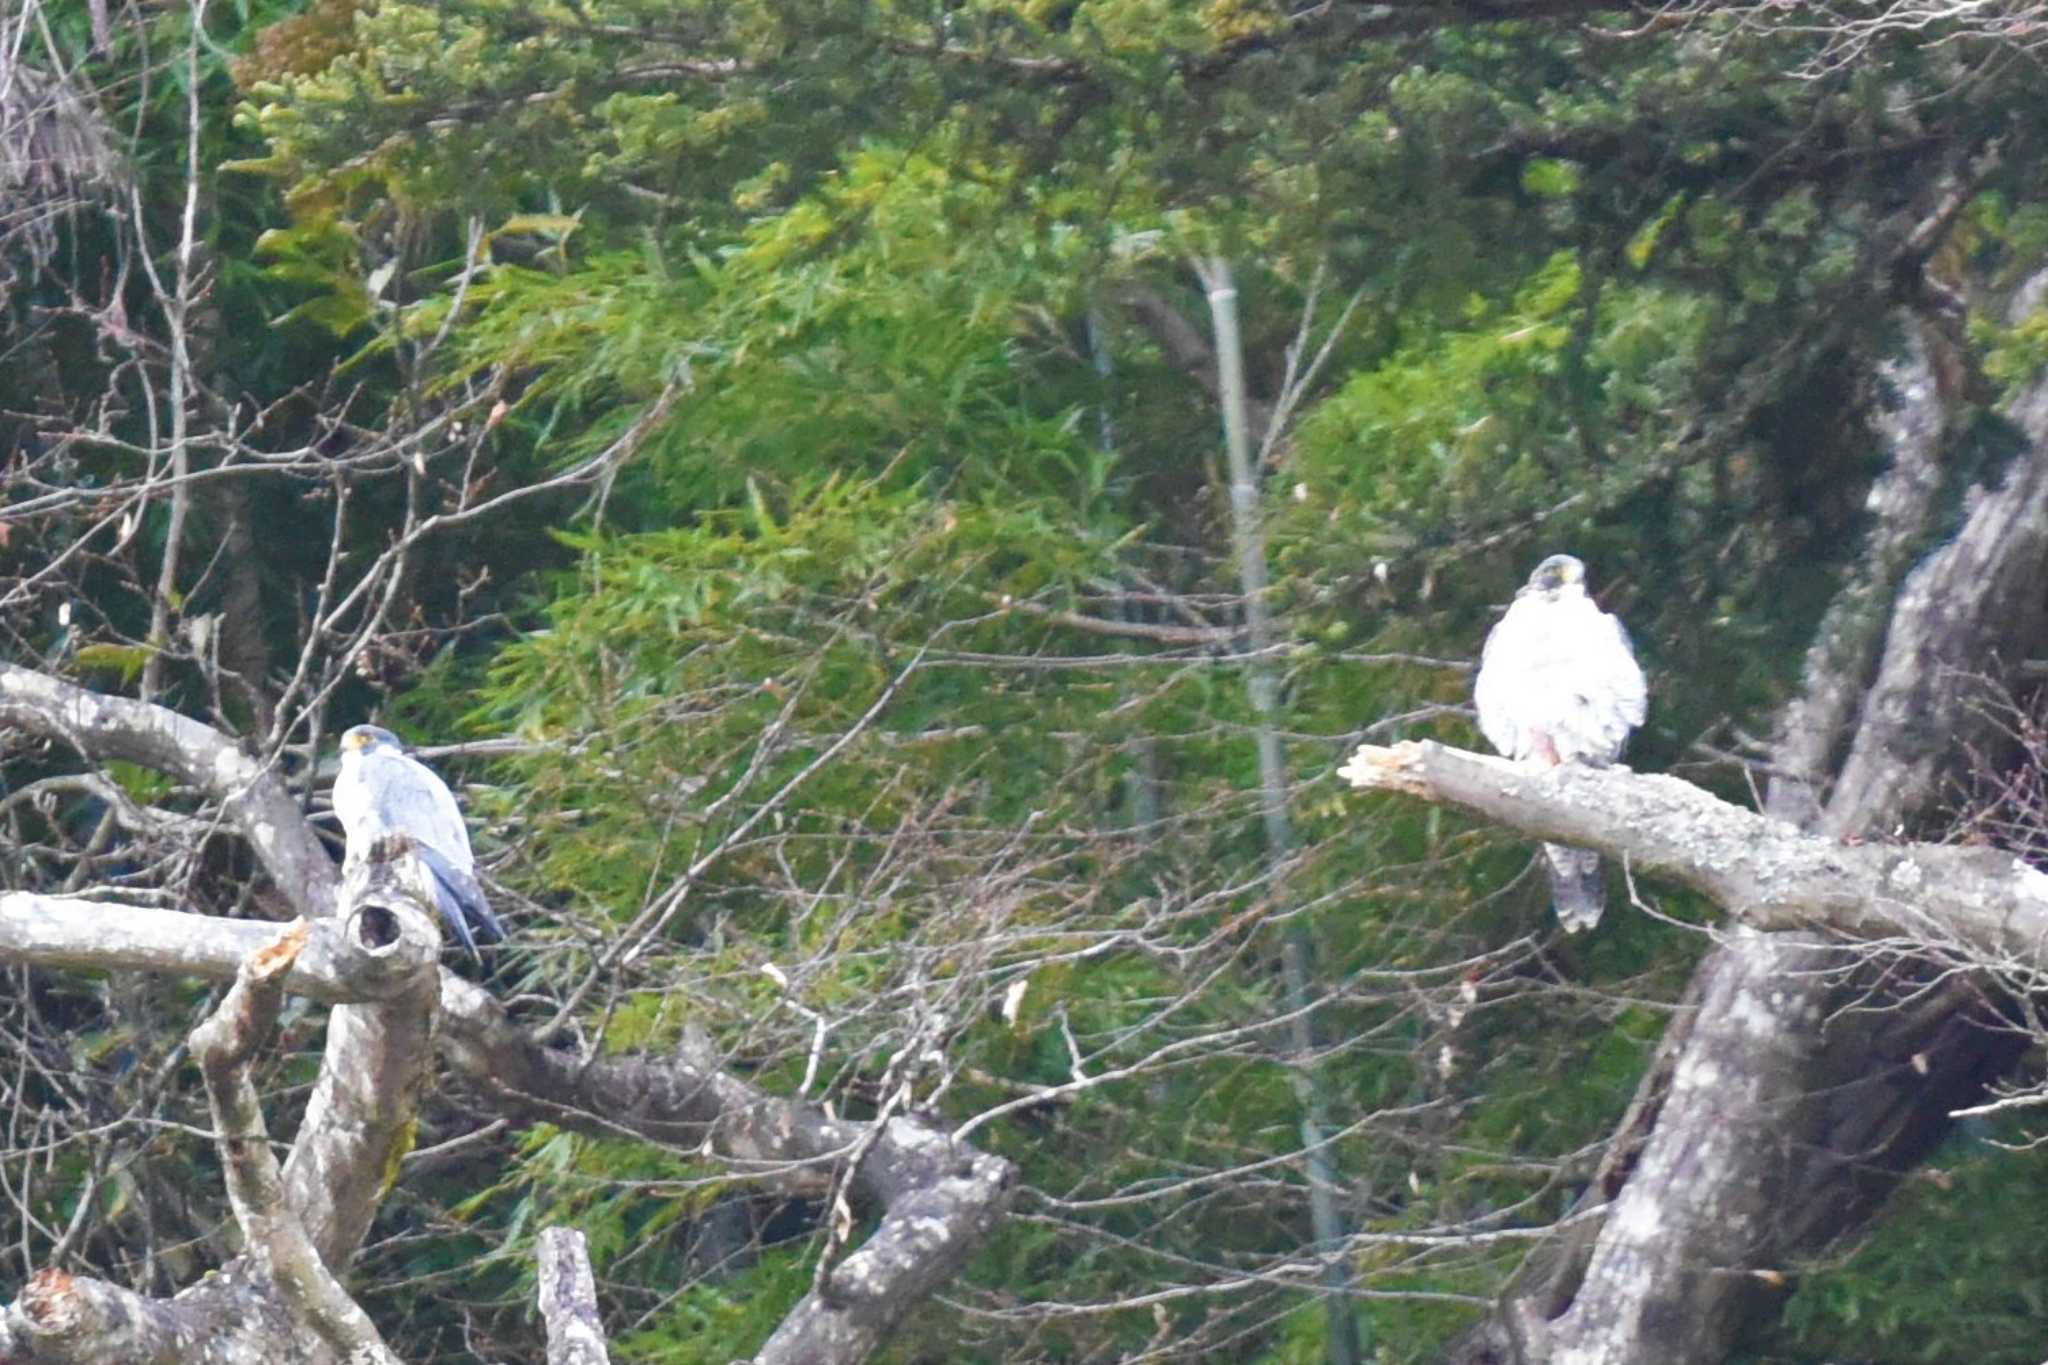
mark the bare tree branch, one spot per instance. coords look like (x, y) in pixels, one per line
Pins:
(74, 932)
(1980, 901)
(939, 1199)
(281, 1299)
(99, 727)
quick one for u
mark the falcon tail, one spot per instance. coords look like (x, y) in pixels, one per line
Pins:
(461, 900)
(1576, 887)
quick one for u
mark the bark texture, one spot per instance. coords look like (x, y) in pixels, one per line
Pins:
(938, 1198)
(278, 1244)
(568, 1300)
(378, 1060)
(1980, 905)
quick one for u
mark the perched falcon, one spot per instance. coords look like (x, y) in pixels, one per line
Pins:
(384, 790)
(1559, 683)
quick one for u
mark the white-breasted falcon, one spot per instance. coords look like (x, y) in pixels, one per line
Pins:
(384, 790)
(1559, 683)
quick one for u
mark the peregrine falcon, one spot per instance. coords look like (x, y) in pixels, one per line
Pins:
(1559, 683)
(384, 790)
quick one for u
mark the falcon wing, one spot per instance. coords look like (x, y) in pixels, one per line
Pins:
(460, 898)
(404, 796)
(1609, 695)
(408, 797)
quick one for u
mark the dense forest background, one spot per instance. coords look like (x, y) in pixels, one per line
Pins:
(891, 516)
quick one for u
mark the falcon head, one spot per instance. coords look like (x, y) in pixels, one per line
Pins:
(1555, 574)
(369, 739)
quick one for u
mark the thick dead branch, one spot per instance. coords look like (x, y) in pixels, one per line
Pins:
(1978, 902)
(1747, 1156)
(938, 1199)
(224, 1045)
(675, 1100)
(379, 1058)
(373, 1053)
(349, 959)
(941, 1200)
(64, 1319)
(280, 1301)
(1771, 1120)
(1962, 614)
(1785, 1121)
(1844, 654)
(99, 728)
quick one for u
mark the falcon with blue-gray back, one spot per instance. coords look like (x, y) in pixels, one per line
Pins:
(383, 790)
(1559, 683)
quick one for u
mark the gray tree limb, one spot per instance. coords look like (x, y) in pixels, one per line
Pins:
(62, 1319)
(258, 805)
(280, 1303)
(225, 1043)
(1844, 654)
(937, 1198)
(378, 1060)
(1980, 906)
(568, 1300)
(1726, 1200)
(1784, 1121)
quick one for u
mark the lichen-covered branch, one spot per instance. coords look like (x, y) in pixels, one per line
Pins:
(225, 1043)
(63, 1319)
(1766, 873)
(282, 1299)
